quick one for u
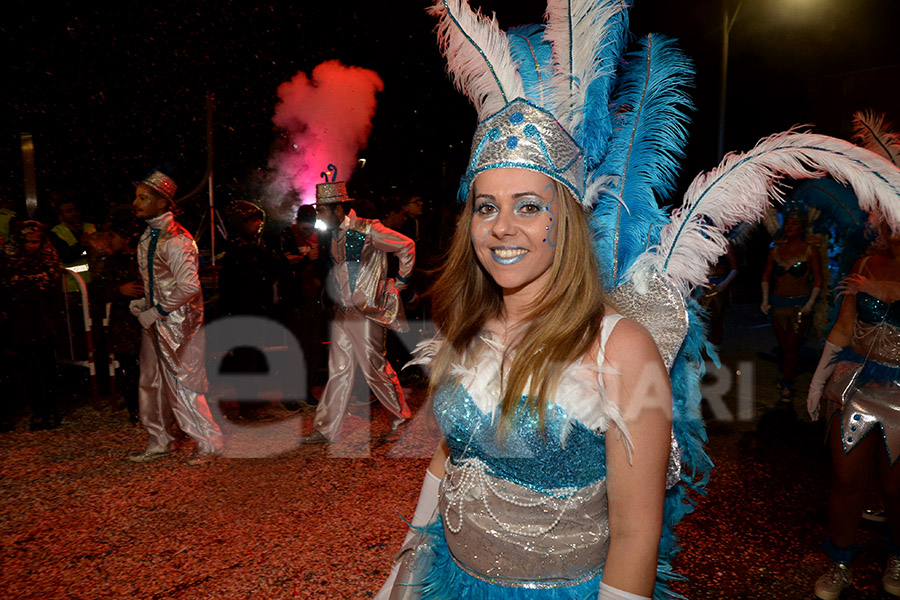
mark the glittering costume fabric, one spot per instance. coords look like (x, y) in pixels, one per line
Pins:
(525, 517)
(865, 384)
(173, 349)
(367, 302)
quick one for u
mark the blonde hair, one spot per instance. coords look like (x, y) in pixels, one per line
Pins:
(560, 326)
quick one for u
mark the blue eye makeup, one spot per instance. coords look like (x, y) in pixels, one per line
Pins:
(485, 208)
(529, 207)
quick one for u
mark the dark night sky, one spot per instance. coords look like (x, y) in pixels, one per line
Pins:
(109, 93)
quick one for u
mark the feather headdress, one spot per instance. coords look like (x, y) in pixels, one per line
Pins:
(478, 56)
(739, 190)
(873, 132)
(535, 89)
(580, 32)
(641, 162)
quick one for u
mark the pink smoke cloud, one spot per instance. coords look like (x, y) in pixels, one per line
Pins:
(327, 118)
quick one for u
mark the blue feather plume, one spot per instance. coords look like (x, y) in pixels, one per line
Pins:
(641, 162)
(597, 114)
(534, 56)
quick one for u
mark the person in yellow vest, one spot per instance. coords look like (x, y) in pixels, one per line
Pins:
(7, 215)
(69, 237)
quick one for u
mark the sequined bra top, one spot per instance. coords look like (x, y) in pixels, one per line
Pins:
(530, 510)
(876, 336)
(874, 311)
(798, 269)
(569, 452)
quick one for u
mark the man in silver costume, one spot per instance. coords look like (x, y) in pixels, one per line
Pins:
(367, 303)
(173, 349)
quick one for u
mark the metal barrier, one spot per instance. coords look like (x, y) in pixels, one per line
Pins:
(90, 363)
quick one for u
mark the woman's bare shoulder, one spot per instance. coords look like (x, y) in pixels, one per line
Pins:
(628, 341)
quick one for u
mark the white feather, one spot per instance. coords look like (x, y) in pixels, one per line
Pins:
(577, 31)
(425, 351)
(478, 56)
(738, 190)
(873, 132)
(581, 393)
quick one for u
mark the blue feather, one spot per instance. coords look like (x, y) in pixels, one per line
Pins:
(846, 221)
(597, 126)
(647, 142)
(690, 433)
(534, 56)
(837, 202)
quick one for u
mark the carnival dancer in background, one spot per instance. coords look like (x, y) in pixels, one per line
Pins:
(791, 283)
(173, 349)
(367, 302)
(859, 378)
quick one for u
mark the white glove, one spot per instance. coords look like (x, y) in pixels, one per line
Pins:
(428, 501)
(137, 306)
(148, 317)
(607, 592)
(810, 304)
(820, 378)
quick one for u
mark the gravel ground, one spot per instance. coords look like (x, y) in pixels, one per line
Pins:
(275, 520)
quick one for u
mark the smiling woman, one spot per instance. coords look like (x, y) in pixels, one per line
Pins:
(513, 229)
(555, 410)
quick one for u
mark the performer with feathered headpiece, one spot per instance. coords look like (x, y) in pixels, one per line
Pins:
(859, 378)
(565, 381)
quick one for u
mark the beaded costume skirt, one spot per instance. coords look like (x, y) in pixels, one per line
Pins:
(498, 539)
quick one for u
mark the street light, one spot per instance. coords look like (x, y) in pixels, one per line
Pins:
(728, 19)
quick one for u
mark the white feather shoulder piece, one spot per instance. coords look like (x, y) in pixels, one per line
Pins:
(581, 393)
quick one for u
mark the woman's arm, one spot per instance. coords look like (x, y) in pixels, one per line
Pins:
(636, 481)
(425, 509)
(764, 282)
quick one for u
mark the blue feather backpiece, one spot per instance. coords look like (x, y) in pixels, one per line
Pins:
(534, 56)
(641, 162)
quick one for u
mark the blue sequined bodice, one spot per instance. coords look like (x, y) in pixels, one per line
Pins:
(873, 311)
(564, 454)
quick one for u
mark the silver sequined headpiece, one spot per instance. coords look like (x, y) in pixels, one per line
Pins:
(332, 192)
(161, 184)
(524, 136)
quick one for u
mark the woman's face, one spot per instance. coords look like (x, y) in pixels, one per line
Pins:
(514, 227)
(792, 227)
(31, 242)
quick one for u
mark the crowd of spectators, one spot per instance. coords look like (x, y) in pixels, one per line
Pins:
(277, 272)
